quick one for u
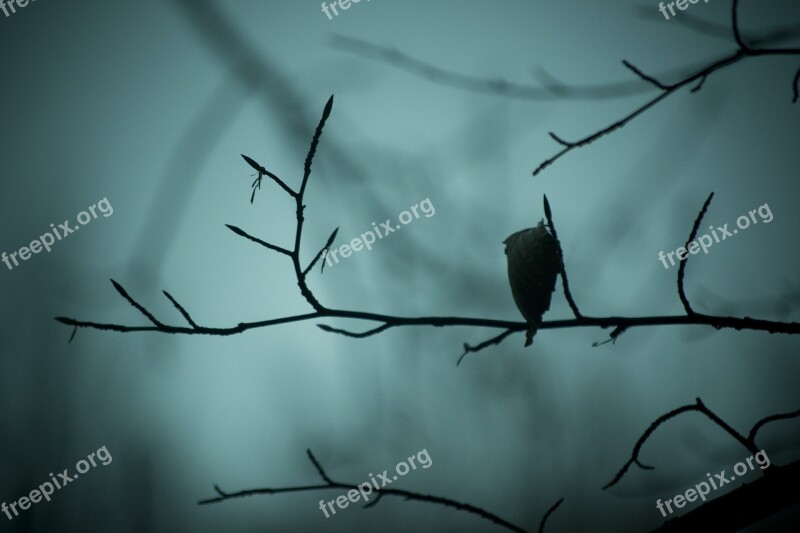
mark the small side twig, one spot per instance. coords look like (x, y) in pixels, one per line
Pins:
(548, 513)
(699, 85)
(682, 266)
(796, 87)
(494, 341)
(565, 282)
(768, 419)
(180, 309)
(649, 79)
(136, 305)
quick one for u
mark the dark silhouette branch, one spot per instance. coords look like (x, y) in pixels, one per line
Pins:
(136, 305)
(645, 77)
(548, 513)
(180, 309)
(796, 87)
(744, 51)
(564, 281)
(385, 322)
(346, 333)
(331, 484)
(748, 442)
(743, 506)
(494, 341)
(682, 266)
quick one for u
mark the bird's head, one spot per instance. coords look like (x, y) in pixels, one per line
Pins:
(512, 239)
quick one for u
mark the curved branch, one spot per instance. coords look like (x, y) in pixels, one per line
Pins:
(748, 442)
(682, 266)
(548, 513)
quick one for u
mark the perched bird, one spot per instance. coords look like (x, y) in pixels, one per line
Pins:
(533, 266)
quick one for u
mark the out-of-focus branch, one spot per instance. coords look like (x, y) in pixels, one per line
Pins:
(552, 89)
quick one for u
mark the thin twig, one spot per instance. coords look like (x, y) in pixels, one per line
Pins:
(494, 341)
(645, 77)
(682, 266)
(565, 282)
(319, 254)
(766, 420)
(180, 309)
(748, 442)
(353, 334)
(699, 85)
(242, 233)
(796, 87)
(735, 25)
(263, 171)
(548, 513)
(136, 305)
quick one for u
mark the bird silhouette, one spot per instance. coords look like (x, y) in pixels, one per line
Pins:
(533, 266)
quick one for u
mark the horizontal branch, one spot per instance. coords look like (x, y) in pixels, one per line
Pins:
(379, 493)
(716, 322)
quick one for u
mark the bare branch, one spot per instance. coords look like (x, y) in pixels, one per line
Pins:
(494, 341)
(744, 51)
(387, 321)
(242, 233)
(564, 280)
(612, 338)
(136, 304)
(645, 77)
(766, 420)
(330, 484)
(352, 334)
(735, 24)
(699, 406)
(180, 309)
(548, 513)
(319, 467)
(559, 140)
(319, 254)
(682, 266)
(263, 171)
(699, 85)
(796, 87)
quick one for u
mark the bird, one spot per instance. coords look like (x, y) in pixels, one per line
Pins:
(534, 263)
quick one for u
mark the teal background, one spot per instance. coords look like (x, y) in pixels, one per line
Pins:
(150, 103)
